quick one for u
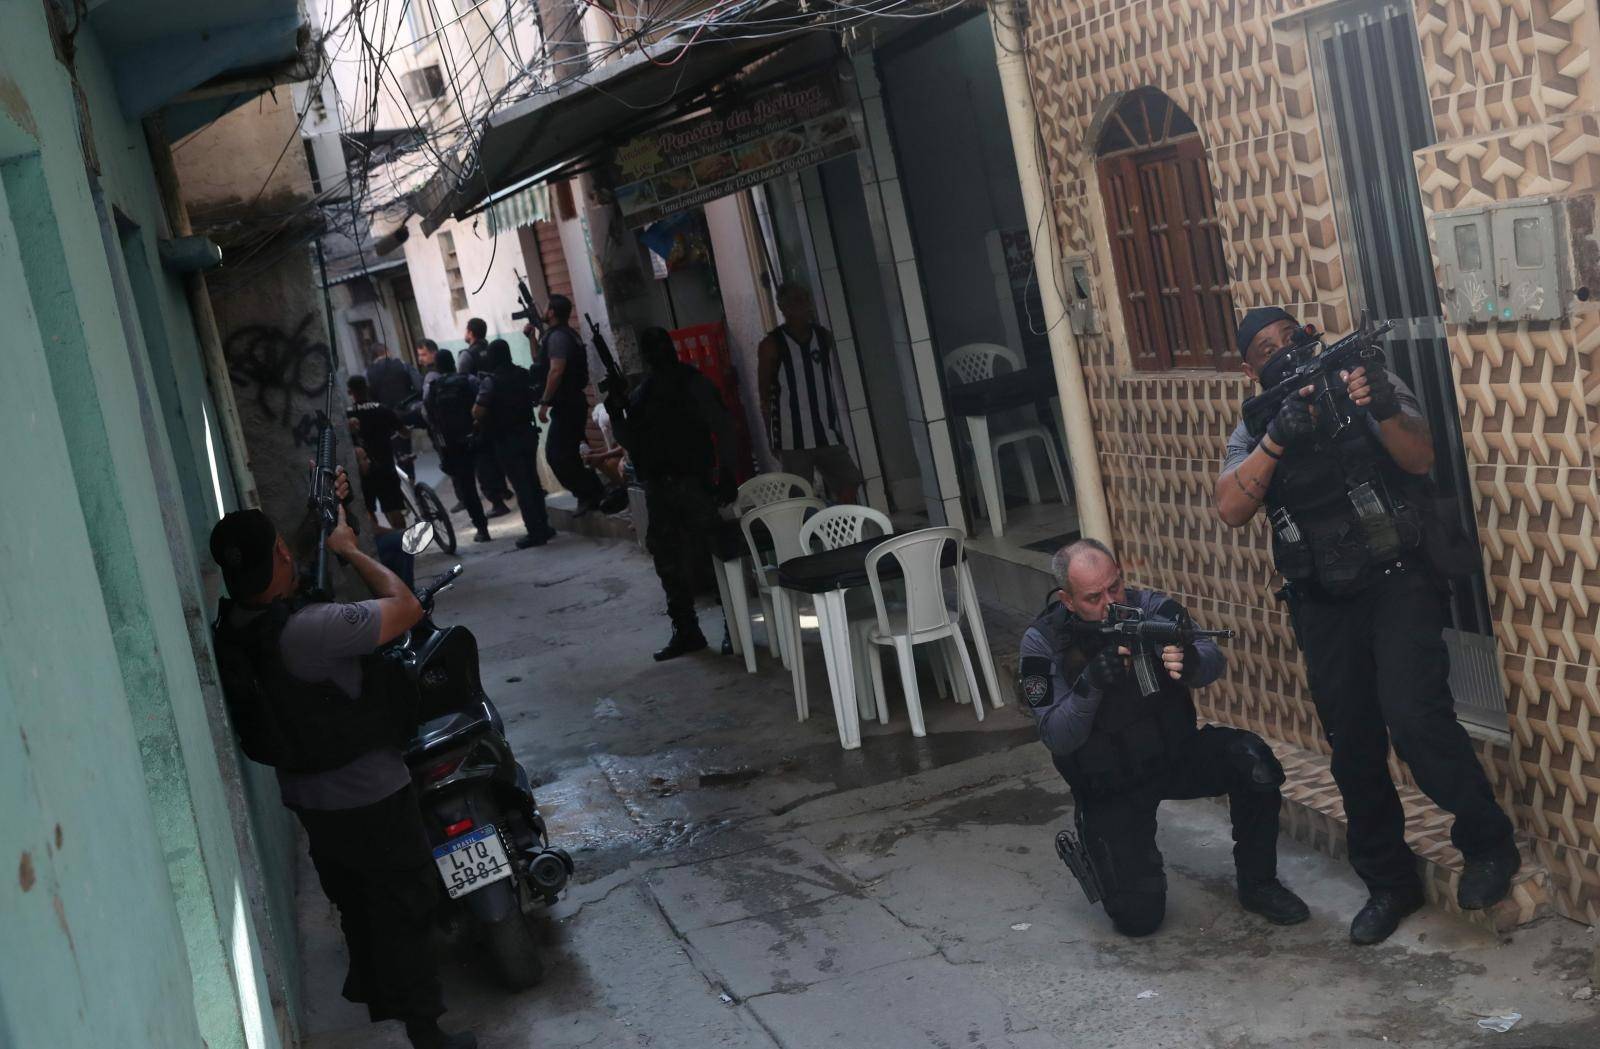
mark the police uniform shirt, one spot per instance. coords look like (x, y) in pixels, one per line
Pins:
(325, 642)
(1241, 444)
(1064, 710)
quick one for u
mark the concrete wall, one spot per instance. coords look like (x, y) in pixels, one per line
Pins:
(126, 921)
(484, 260)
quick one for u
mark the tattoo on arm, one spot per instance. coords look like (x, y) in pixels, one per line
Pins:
(1250, 492)
(1415, 425)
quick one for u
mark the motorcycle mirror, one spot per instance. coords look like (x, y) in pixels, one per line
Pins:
(417, 538)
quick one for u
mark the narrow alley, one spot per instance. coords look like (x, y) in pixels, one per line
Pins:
(744, 882)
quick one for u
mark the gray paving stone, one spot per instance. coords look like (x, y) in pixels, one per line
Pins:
(731, 888)
(788, 949)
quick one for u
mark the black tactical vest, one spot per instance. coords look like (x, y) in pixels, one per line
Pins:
(295, 725)
(1337, 550)
(1133, 737)
(450, 399)
(511, 401)
(671, 436)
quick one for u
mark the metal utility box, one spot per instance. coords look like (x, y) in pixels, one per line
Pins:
(1082, 317)
(1466, 256)
(1529, 261)
(1504, 262)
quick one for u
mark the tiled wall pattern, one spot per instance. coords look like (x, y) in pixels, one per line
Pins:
(1516, 101)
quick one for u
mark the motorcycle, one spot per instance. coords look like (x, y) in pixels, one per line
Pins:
(489, 840)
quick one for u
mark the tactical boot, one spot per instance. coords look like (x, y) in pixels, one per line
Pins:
(685, 639)
(1486, 879)
(1274, 901)
(426, 1034)
(482, 536)
(1378, 920)
(536, 538)
(497, 509)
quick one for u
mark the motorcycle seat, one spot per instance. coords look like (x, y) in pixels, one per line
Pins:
(444, 732)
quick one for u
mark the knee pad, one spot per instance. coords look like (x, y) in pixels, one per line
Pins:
(1251, 756)
(1137, 913)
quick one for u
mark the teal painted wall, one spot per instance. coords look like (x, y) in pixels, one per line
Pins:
(135, 916)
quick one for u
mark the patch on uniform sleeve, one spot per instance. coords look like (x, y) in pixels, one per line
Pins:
(352, 613)
(1034, 681)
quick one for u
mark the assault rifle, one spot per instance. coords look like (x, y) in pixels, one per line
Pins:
(1319, 368)
(323, 500)
(1144, 636)
(615, 381)
(529, 311)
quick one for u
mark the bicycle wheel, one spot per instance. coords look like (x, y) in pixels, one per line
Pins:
(434, 513)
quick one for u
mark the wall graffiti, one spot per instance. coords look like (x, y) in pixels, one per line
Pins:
(282, 367)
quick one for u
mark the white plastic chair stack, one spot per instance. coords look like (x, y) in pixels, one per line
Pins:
(758, 491)
(926, 618)
(830, 529)
(974, 363)
(782, 521)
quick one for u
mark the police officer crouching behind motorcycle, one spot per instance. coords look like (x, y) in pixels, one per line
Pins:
(1364, 551)
(307, 696)
(1123, 752)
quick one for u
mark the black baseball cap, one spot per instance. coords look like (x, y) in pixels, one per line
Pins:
(1257, 319)
(241, 545)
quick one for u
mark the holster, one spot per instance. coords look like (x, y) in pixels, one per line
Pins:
(1074, 852)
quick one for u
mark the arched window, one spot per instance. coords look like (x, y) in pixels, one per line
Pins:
(1171, 277)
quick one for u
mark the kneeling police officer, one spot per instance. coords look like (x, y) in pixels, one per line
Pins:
(1365, 554)
(1123, 753)
(307, 696)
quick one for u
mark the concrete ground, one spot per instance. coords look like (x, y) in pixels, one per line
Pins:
(744, 882)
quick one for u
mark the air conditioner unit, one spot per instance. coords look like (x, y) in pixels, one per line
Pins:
(422, 85)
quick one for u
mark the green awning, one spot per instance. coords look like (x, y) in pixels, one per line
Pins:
(522, 208)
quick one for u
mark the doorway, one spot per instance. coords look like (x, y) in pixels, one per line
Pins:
(1367, 66)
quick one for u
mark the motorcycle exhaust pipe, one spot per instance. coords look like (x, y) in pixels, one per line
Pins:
(550, 870)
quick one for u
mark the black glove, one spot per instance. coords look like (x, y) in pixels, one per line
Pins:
(727, 490)
(1385, 401)
(1106, 670)
(1293, 423)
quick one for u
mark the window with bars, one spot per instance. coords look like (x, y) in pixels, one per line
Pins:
(452, 271)
(1166, 250)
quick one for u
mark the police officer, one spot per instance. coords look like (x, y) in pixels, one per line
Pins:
(470, 360)
(680, 438)
(1353, 539)
(564, 405)
(1123, 753)
(504, 411)
(448, 403)
(306, 696)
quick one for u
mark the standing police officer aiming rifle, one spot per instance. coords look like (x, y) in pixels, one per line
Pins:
(308, 694)
(1341, 466)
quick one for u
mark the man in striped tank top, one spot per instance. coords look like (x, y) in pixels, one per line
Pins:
(801, 399)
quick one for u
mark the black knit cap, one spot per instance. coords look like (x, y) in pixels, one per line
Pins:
(1257, 319)
(242, 544)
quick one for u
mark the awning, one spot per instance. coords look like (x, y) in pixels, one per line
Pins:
(371, 269)
(519, 208)
(539, 137)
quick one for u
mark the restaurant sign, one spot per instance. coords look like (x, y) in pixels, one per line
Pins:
(789, 127)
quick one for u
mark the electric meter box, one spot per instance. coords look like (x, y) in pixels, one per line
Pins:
(1501, 263)
(1082, 317)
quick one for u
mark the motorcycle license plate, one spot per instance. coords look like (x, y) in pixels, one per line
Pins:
(470, 862)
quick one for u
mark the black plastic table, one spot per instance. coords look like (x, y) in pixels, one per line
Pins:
(996, 394)
(826, 576)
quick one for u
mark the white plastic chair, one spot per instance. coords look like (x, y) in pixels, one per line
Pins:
(758, 491)
(974, 363)
(828, 530)
(769, 488)
(926, 618)
(782, 520)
